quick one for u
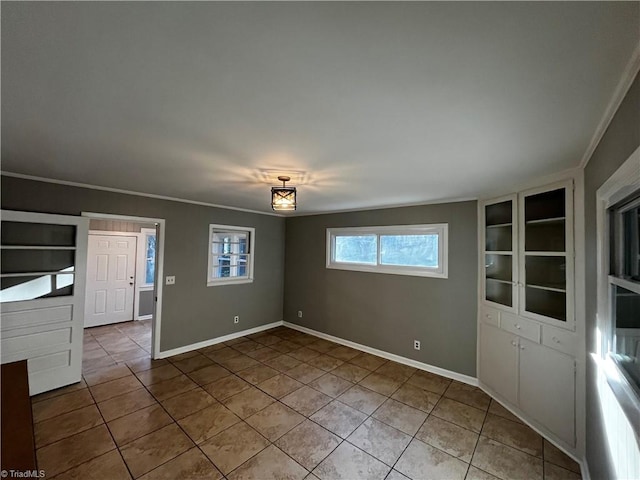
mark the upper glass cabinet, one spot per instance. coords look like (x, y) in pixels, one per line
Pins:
(498, 252)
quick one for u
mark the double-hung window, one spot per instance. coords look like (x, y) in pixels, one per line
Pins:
(230, 255)
(419, 250)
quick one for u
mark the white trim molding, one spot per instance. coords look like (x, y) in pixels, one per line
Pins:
(389, 356)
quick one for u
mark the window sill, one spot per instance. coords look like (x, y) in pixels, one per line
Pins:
(217, 283)
(389, 270)
(623, 391)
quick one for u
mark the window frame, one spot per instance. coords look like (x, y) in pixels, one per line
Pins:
(248, 278)
(145, 233)
(440, 229)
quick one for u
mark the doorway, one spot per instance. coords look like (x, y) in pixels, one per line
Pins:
(123, 293)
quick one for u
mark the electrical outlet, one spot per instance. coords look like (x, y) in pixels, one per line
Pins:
(299, 313)
(171, 280)
(236, 319)
(416, 344)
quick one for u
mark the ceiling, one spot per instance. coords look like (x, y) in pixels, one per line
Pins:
(362, 104)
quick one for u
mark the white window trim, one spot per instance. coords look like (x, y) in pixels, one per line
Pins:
(622, 183)
(441, 229)
(144, 233)
(214, 282)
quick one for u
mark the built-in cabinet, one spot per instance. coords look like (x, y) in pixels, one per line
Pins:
(527, 344)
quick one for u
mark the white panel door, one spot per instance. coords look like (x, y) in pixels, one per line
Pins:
(111, 265)
(42, 296)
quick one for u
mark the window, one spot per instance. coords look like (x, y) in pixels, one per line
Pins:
(149, 257)
(624, 287)
(419, 250)
(230, 255)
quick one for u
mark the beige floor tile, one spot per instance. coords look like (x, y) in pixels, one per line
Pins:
(464, 415)
(212, 348)
(285, 346)
(208, 422)
(263, 354)
(192, 465)
(267, 340)
(331, 385)
(396, 370)
(380, 440)
(350, 463)
(350, 372)
(235, 364)
(226, 387)
(137, 424)
(59, 391)
(325, 362)
(448, 437)
(556, 456)
(306, 400)
(208, 374)
(467, 394)
(55, 406)
(231, 448)
(322, 346)
(308, 444)
(191, 364)
(172, 387)
(187, 403)
(75, 450)
(429, 381)
(416, 397)
(146, 453)
(499, 410)
(513, 434)
(113, 388)
(362, 399)
(554, 472)
(304, 354)
(129, 355)
(248, 402)
(283, 363)
(269, 463)
(158, 374)
(395, 475)
(368, 361)
(147, 363)
(403, 417)
(280, 385)
(258, 374)
(89, 365)
(106, 374)
(67, 424)
(343, 353)
(505, 462)
(381, 383)
(475, 473)
(183, 356)
(305, 373)
(107, 466)
(236, 341)
(421, 461)
(247, 346)
(275, 420)
(339, 418)
(125, 404)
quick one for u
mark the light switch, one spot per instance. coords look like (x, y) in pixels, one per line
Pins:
(171, 280)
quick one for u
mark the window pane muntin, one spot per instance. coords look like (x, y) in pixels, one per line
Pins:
(414, 250)
(355, 249)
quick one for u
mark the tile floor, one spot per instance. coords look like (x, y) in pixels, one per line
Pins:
(276, 405)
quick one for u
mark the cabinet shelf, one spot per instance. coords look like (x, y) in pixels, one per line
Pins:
(499, 225)
(547, 288)
(34, 247)
(545, 254)
(546, 221)
(498, 252)
(508, 282)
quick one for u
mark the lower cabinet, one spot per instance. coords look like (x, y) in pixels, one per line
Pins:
(537, 380)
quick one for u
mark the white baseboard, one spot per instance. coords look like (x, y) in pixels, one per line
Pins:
(389, 356)
(145, 317)
(214, 341)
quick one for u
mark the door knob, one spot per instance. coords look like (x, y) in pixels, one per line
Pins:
(131, 283)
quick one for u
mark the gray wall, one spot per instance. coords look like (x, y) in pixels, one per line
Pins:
(619, 142)
(191, 311)
(389, 311)
(146, 302)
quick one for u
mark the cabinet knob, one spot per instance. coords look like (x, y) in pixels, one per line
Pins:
(517, 326)
(513, 343)
(556, 339)
(521, 347)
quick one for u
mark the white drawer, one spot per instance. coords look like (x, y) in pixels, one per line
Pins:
(558, 339)
(521, 327)
(490, 316)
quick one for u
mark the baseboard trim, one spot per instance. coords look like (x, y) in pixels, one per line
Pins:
(389, 356)
(214, 341)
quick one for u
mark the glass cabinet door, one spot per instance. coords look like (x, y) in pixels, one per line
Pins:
(499, 264)
(547, 262)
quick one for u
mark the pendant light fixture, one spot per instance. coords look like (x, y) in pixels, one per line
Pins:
(283, 199)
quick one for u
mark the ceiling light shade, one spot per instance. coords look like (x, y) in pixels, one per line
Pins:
(283, 199)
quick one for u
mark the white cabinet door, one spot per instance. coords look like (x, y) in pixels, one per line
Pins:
(547, 388)
(499, 362)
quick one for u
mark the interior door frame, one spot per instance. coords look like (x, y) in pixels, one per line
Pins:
(157, 306)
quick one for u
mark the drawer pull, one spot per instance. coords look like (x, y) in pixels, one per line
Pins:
(513, 343)
(521, 347)
(517, 326)
(556, 339)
